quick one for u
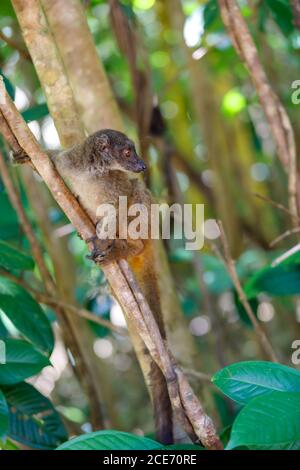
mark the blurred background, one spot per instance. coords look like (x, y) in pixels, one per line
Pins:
(207, 141)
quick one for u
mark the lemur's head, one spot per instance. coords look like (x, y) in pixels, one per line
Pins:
(113, 150)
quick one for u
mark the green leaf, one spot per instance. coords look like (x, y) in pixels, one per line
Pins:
(8, 445)
(3, 415)
(26, 314)
(110, 440)
(282, 14)
(283, 279)
(210, 14)
(243, 315)
(36, 112)
(244, 381)
(33, 419)
(6, 9)
(22, 361)
(9, 225)
(270, 422)
(3, 331)
(10, 258)
(8, 85)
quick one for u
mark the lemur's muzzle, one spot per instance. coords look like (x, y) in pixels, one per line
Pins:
(140, 166)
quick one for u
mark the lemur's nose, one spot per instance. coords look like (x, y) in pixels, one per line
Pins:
(143, 167)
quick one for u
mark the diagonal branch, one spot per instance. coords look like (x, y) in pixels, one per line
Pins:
(276, 115)
(15, 45)
(260, 334)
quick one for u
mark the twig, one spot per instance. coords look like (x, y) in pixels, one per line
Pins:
(286, 255)
(260, 334)
(54, 302)
(198, 375)
(276, 115)
(276, 204)
(284, 235)
(14, 45)
(82, 312)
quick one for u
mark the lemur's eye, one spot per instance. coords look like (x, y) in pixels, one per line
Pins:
(127, 153)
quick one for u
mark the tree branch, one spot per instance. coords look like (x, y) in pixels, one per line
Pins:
(260, 334)
(14, 45)
(276, 115)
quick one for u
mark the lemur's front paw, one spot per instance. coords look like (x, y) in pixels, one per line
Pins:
(19, 157)
(101, 249)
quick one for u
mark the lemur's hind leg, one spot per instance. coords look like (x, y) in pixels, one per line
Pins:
(101, 249)
(105, 251)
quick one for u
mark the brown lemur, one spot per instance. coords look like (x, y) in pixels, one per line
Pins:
(98, 171)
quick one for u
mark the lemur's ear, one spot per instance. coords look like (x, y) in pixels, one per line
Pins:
(102, 141)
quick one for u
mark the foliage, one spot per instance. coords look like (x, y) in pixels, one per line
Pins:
(271, 395)
(117, 440)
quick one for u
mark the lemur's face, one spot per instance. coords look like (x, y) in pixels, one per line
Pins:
(118, 152)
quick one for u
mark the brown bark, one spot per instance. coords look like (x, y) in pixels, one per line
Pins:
(275, 113)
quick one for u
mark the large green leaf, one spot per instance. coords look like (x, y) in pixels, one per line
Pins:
(33, 419)
(22, 361)
(26, 314)
(10, 258)
(283, 279)
(245, 380)
(270, 422)
(110, 440)
(3, 415)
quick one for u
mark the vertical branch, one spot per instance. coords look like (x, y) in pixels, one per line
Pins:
(50, 70)
(131, 46)
(276, 115)
(260, 334)
(96, 107)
